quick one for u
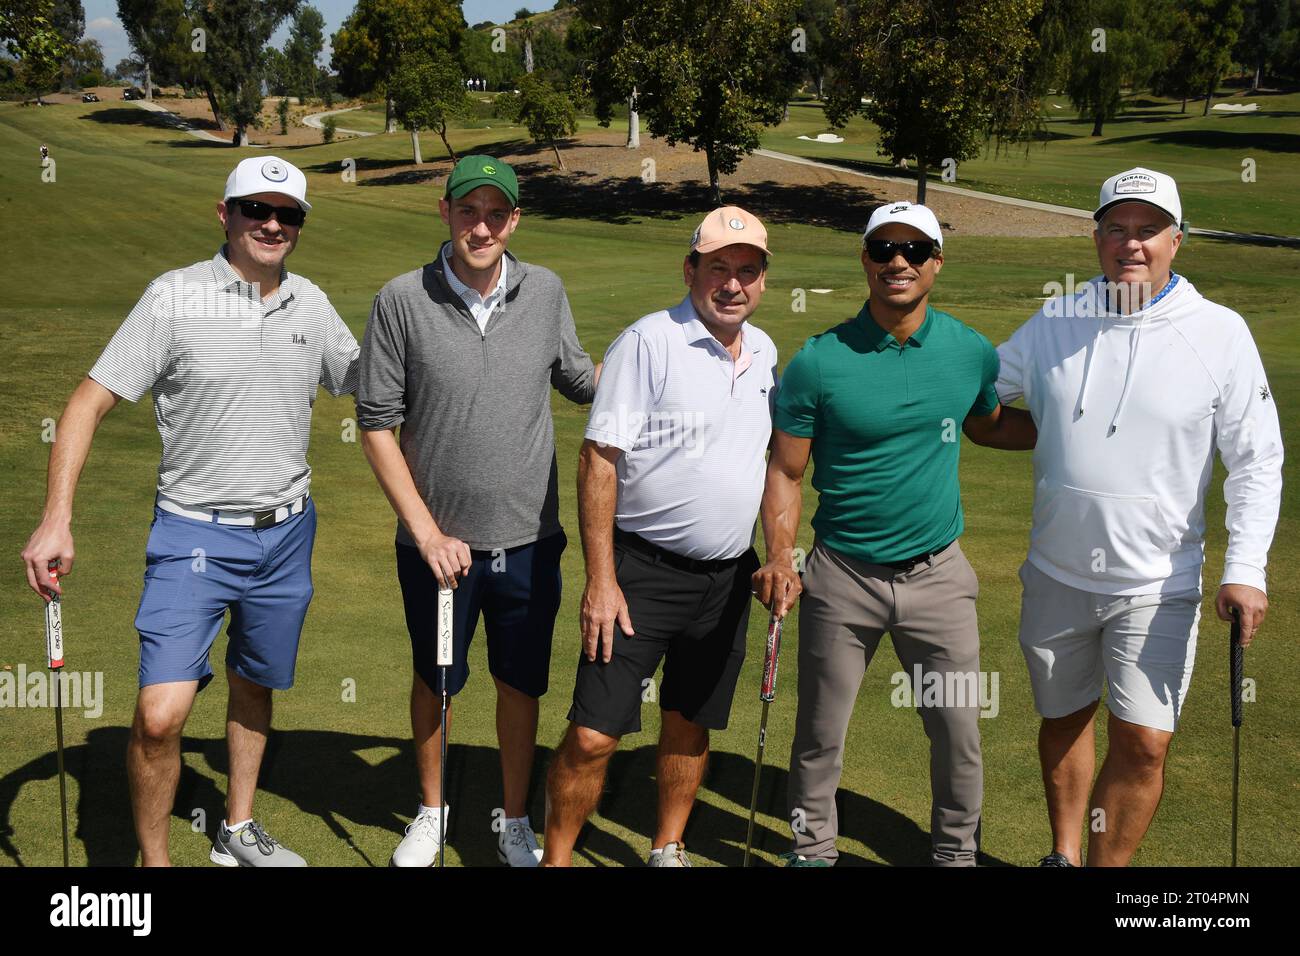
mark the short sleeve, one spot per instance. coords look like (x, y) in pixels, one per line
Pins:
(140, 351)
(339, 359)
(987, 401)
(798, 400)
(1013, 355)
(630, 386)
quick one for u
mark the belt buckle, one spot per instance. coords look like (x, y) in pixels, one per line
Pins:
(263, 519)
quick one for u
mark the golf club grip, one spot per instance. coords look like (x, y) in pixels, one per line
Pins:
(771, 658)
(1236, 662)
(54, 623)
(446, 607)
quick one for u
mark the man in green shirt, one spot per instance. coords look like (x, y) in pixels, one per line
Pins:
(877, 402)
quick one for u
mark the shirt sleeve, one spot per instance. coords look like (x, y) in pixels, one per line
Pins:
(799, 399)
(573, 374)
(339, 359)
(1249, 439)
(381, 381)
(987, 402)
(1013, 355)
(630, 385)
(140, 352)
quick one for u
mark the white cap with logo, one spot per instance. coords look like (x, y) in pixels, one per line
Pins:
(267, 174)
(918, 217)
(1141, 185)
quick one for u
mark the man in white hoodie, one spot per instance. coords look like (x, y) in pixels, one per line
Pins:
(1133, 381)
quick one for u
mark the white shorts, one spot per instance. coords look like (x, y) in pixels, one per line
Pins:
(1144, 645)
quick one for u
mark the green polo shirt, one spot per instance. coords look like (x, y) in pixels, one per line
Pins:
(885, 421)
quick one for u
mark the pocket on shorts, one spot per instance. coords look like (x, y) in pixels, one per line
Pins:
(1094, 533)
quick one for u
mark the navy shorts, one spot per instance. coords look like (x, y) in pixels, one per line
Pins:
(196, 570)
(518, 593)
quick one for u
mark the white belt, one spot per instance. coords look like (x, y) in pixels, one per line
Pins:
(248, 519)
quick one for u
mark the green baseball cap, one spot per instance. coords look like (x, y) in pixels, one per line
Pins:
(474, 171)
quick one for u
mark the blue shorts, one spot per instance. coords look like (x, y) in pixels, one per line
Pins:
(518, 593)
(195, 571)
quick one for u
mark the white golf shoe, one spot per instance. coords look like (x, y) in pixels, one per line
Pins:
(517, 845)
(420, 845)
(673, 854)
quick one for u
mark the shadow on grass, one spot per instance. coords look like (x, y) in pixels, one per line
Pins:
(1217, 139)
(324, 774)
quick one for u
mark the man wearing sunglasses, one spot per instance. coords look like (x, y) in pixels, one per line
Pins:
(877, 402)
(233, 350)
(1134, 382)
(462, 355)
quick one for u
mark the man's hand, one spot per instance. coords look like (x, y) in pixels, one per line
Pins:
(1251, 604)
(51, 541)
(777, 581)
(603, 604)
(448, 557)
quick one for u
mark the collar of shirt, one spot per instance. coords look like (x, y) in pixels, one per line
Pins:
(225, 276)
(879, 340)
(696, 331)
(471, 296)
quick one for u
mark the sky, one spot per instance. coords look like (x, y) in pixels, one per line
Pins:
(102, 23)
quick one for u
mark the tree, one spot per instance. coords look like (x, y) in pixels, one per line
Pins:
(306, 40)
(1120, 47)
(128, 69)
(816, 18)
(84, 65)
(711, 76)
(371, 41)
(426, 94)
(937, 89)
(236, 32)
(1214, 27)
(523, 13)
(158, 31)
(547, 112)
(29, 34)
(1263, 35)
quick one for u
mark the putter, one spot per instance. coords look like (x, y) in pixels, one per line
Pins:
(445, 607)
(54, 653)
(766, 693)
(1236, 660)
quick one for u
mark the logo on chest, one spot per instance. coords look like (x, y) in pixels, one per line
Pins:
(299, 338)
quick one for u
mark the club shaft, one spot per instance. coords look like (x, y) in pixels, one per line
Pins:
(1236, 785)
(63, 784)
(758, 773)
(442, 775)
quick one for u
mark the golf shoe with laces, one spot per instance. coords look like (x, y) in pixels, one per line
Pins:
(420, 845)
(1055, 859)
(517, 845)
(251, 845)
(673, 854)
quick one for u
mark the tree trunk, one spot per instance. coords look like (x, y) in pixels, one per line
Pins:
(528, 54)
(1096, 125)
(1209, 95)
(1259, 72)
(715, 185)
(442, 131)
(148, 82)
(821, 78)
(633, 123)
(415, 147)
(390, 120)
(921, 167)
(1184, 109)
(241, 135)
(558, 158)
(216, 110)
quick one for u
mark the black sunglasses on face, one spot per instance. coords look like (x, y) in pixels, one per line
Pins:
(260, 212)
(915, 251)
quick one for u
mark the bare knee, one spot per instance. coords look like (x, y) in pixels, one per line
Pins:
(1071, 724)
(158, 724)
(1142, 750)
(582, 745)
(680, 735)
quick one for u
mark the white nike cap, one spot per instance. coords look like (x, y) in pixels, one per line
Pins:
(918, 217)
(1142, 185)
(267, 174)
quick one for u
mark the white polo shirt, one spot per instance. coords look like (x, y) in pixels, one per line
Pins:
(479, 307)
(694, 428)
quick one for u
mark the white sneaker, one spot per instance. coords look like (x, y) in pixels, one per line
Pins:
(420, 845)
(517, 845)
(674, 854)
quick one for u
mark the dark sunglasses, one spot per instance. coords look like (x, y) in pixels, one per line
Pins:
(915, 251)
(260, 212)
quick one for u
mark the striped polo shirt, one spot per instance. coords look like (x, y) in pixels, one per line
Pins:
(233, 380)
(693, 426)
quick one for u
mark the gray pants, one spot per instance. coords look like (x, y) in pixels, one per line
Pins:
(929, 612)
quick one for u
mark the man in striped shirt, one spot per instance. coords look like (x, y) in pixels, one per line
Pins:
(233, 350)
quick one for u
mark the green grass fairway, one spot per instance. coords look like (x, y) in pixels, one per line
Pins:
(1204, 154)
(132, 200)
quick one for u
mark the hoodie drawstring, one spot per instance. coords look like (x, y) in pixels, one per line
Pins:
(1134, 339)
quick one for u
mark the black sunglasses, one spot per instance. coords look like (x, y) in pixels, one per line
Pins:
(915, 251)
(260, 212)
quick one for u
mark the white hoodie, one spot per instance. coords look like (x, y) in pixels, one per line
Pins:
(1129, 411)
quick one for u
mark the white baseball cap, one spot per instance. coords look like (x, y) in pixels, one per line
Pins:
(918, 217)
(267, 174)
(1141, 185)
